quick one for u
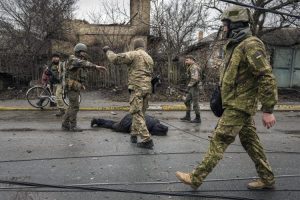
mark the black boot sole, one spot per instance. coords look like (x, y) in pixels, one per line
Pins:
(145, 145)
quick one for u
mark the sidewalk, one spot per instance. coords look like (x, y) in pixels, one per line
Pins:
(105, 105)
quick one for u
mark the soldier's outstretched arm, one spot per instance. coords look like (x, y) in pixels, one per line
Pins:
(77, 63)
(119, 59)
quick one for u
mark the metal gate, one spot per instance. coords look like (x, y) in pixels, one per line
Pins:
(286, 67)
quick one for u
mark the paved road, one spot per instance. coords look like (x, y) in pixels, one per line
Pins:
(33, 148)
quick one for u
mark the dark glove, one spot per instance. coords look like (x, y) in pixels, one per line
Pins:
(105, 49)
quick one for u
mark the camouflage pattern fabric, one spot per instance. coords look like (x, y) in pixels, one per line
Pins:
(76, 69)
(138, 106)
(193, 97)
(248, 78)
(59, 96)
(70, 117)
(56, 72)
(75, 78)
(193, 77)
(231, 124)
(140, 72)
(140, 68)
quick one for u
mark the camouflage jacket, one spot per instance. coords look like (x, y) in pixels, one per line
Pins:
(247, 77)
(140, 68)
(193, 75)
(56, 73)
(76, 69)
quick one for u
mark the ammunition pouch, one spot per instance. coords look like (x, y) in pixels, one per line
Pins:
(73, 85)
(216, 102)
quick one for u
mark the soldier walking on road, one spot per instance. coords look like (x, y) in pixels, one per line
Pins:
(193, 77)
(75, 79)
(246, 78)
(140, 71)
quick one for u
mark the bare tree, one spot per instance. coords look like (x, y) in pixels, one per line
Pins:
(28, 26)
(176, 24)
(262, 19)
(113, 28)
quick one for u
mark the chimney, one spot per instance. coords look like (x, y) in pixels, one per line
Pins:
(140, 15)
(200, 36)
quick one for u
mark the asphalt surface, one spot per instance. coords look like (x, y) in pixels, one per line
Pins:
(34, 149)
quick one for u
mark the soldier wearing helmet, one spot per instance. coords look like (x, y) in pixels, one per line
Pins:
(75, 79)
(192, 93)
(140, 71)
(246, 78)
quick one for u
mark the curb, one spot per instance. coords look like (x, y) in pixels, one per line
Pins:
(176, 107)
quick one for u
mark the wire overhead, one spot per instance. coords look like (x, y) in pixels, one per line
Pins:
(260, 8)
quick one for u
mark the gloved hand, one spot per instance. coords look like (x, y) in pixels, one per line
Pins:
(105, 49)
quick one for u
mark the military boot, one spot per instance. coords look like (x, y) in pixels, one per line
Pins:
(40, 102)
(133, 139)
(53, 104)
(197, 119)
(186, 179)
(65, 127)
(187, 116)
(146, 145)
(259, 185)
(60, 113)
(75, 129)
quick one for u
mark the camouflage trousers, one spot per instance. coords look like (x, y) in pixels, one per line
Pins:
(138, 106)
(231, 124)
(70, 117)
(59, 96)
(193, 98)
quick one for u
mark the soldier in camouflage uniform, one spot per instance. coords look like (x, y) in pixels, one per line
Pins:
(140, 71)
(75, 80)
(56, 70)
(246, 78)
(193, 77)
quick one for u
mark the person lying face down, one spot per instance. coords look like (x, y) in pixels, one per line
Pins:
(153, 125)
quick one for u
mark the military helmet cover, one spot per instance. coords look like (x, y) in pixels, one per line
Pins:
(190, 57)
(237, 14)
(138, 43)
(80, 47)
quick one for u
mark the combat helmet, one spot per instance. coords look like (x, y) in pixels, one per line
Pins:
(237, 14)
(80, 47)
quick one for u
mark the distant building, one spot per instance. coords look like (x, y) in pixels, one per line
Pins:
(283, 48)
(118, 36)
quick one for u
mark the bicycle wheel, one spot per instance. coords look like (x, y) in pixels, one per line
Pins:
(38, 96)
(66, 99)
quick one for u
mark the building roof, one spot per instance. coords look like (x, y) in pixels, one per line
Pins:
(278, 37)
(282, 37)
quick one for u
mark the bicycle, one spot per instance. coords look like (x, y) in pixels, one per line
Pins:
(40, 96)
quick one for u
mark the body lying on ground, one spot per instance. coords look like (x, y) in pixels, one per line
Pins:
(153, 125)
